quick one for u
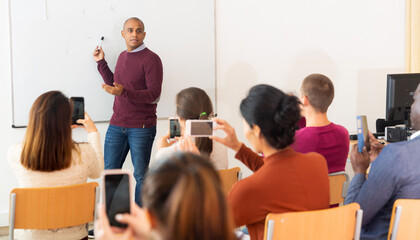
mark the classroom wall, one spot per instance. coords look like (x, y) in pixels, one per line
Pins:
(355, 43)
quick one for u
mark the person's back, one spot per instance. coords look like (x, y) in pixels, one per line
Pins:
(183, 200)
(320, 135)
(218, 156)
(393, 175)
(284, 180)
(287, 182)
(331, 141)
(194, 104)
(49, 165)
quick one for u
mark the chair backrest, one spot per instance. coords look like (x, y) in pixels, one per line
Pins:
(405, 220)
(342, 223)
(229, 177)
(53, 207)
(339, 182)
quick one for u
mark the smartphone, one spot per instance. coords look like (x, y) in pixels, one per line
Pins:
(174, 128)
(78, 109)
(117, 194)
(200, 128)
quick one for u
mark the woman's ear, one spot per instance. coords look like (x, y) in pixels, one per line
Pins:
(151, 218)
(256, 131)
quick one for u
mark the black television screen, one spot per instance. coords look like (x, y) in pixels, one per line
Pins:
(400, 90)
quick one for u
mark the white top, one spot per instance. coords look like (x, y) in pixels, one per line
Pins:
(89, 163)
(218, 156)
(416, 134)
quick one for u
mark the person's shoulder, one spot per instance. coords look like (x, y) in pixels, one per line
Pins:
(218, 145)
(150, 53)
(123, 53)
(410, 147)
(310, 156)
(339, 128)
(339, 131)
(306, 132)
(15, 151)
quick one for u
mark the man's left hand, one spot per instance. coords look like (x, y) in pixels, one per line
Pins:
(113, 90)
(359, 161)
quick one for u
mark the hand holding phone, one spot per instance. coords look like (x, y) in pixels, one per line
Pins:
(200, 128)
(117, 194)
(78, 109)
(87, 124)
(174, 128)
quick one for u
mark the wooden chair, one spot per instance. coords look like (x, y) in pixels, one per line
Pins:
(229, 177)
(330, 224)
(339, 183)
(53, 207)
(405, 220)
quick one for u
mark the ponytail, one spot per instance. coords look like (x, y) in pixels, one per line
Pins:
(194, 103)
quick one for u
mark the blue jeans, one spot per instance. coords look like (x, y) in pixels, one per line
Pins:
(139, 141)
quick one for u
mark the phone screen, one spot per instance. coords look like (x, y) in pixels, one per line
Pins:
(175, 128)
(202, 128)
(117, 197)
(78, 109)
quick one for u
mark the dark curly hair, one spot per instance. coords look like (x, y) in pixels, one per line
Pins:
(276, 113)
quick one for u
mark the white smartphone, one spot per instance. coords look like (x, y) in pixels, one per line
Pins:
(200, 128)
(117, 194)
(174, 128)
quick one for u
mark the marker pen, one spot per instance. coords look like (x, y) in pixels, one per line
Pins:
(100, 43)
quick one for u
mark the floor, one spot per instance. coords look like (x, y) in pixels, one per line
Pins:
(4, 232)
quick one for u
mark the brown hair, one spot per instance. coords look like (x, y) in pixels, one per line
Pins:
(48, 143)
(319, 90)
(183, 193)
(194, 103)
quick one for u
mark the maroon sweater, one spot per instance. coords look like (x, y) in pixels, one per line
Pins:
(331, 141)
(141, 75)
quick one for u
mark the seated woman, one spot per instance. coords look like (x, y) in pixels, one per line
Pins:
(182, 200)
(283, 180)
(194, 103)
(48, 156)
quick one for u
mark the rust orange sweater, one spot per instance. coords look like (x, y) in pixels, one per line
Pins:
(286, 181)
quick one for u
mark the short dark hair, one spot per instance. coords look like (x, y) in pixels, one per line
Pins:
(319, 90)
(276, 113)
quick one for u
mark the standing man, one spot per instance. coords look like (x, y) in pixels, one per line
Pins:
(136, 85)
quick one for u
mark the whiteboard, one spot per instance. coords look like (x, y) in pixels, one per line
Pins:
(52, 42)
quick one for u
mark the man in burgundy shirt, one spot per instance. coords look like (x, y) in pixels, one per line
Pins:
(320, 135)
(136, 84)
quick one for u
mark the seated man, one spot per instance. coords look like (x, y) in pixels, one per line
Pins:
(320, 135)
(394, 174)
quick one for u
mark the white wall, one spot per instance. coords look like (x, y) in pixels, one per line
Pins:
(355, 43)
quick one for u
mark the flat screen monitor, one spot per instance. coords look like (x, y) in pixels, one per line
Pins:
(400, 90)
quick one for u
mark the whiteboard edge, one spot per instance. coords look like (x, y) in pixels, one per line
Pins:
(11, 66)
